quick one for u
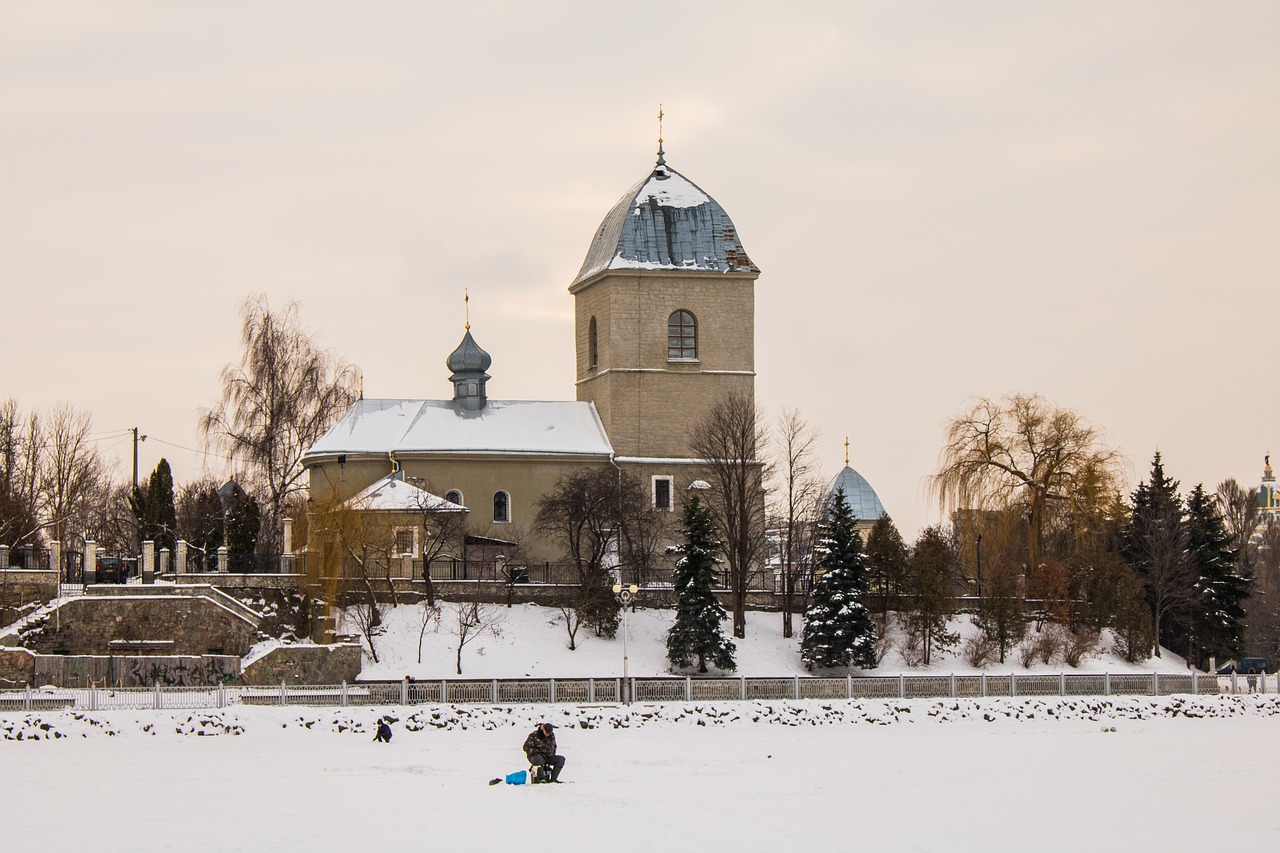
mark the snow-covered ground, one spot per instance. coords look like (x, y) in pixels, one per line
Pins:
(531, 641)
(1176, 774)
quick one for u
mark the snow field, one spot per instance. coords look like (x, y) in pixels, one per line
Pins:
(927, 775)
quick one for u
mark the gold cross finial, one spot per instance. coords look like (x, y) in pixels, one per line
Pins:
(362, 385)
(660, 114)
(846, 450)
(466, 307)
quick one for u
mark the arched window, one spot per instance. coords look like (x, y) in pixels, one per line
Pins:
(593, 348)
(454, 496)
(501, 507)
(682, 337)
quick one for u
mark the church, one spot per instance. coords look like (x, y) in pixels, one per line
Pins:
(664, 325)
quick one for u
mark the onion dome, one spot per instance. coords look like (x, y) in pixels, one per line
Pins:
(468, 364)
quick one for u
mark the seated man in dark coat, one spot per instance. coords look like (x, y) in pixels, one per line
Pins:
(540, 748)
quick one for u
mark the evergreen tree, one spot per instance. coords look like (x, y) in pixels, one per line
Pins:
(887, 558)
(930, 586)
(153, 508)
(1217, 609)
(243, 521)
(696, 631)
(838, 629)
(1155, 545)
(199, 511)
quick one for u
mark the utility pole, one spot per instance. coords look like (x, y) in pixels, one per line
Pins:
(137, 532)
(134, 430)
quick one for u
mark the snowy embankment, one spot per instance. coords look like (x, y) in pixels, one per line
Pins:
(57, 725)
(528, 641)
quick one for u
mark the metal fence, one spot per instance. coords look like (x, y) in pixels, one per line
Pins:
(589, 691)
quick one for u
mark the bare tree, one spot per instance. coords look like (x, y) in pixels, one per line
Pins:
(584, 513)
(357, 547)
(1023, 452)
(473, 619)
(1239, 508)
(276, 403)
(444, 531)
(798, 504)
(70, 471)
(20, 441)
(727, 442)
(429, 615)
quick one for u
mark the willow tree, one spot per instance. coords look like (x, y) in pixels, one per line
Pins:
(276, 403)
(1021, 452)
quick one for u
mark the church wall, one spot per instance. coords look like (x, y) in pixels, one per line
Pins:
(649, 413)
(525, 479)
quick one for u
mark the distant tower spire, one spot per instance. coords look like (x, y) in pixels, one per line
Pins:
(466, 307)
(661, 158)
(846, 450)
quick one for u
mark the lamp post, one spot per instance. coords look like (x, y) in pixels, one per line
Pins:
(625, 594)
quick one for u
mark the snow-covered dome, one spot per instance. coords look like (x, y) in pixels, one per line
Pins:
(666, 222)
(862, 499)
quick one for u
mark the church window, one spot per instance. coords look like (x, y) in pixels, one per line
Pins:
(662, 494)
(406, 540)
(454, 496)
(593, 348)
(501, 507)
(682, 337)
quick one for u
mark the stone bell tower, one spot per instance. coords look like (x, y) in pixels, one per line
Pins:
(665, 314)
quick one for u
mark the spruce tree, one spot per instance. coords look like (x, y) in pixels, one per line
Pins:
(1217, 609)
(696, 631)
(838, 629)
(887, 558)
(1155, 545)
(244, 519)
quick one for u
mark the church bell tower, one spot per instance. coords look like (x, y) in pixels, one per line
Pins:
(664, 315)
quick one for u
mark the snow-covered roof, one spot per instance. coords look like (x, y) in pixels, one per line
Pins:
(393, 494)
(666, 222)
(862, 499)
(438, 426)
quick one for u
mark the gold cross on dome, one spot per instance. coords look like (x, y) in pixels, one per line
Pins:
(466, 307)
(660, 114)
(846, 450)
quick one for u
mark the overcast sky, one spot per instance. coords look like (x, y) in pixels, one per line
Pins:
(945, 200)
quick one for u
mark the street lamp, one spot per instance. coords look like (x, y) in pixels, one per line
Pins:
(625, 593)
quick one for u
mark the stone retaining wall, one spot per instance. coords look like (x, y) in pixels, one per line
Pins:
(135, 671)
(17, 667)
(332, 664)
(155, 624)
(24, 586)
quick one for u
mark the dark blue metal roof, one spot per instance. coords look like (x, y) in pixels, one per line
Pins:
(666, 221)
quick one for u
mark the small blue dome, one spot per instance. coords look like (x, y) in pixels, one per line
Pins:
(863, 501)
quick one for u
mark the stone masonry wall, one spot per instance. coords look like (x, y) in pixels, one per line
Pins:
(154, 624)
(135, 671)
(305, 665)
(17, 667)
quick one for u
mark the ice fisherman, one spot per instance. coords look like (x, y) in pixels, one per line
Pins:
(384, 731)
(540, 748)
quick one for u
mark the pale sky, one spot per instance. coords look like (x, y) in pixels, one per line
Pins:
(946, 200)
